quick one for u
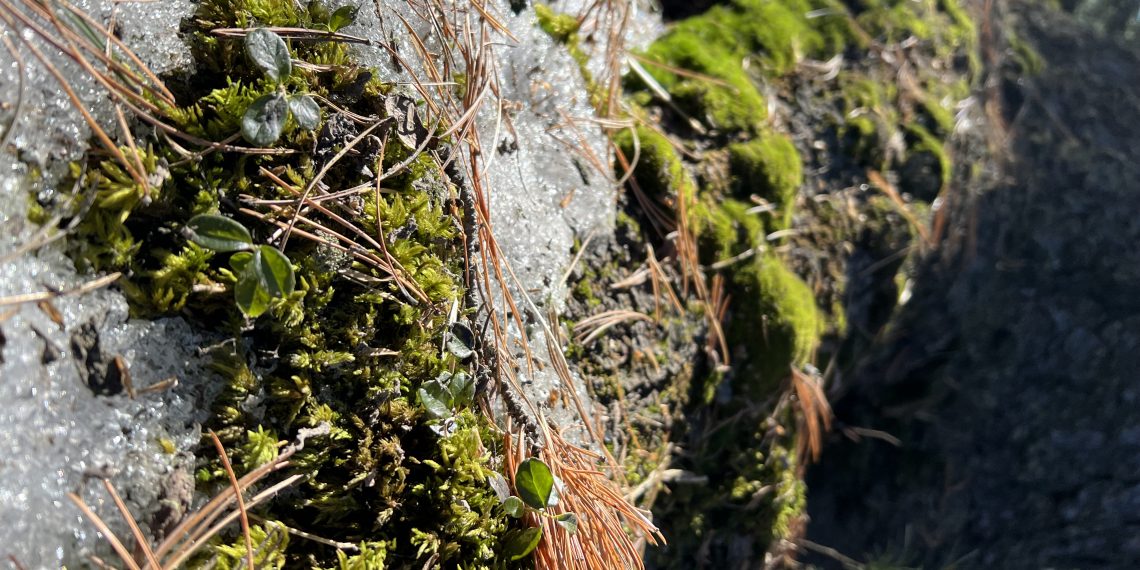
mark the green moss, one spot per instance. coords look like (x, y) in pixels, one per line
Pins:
(270, 541)
(387, 476)
(563, 28)
(659, 171)
(721, 94)
(725, 228)
(770, 167)
(777, 319)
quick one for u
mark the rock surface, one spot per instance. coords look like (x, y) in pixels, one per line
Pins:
(1009, 376)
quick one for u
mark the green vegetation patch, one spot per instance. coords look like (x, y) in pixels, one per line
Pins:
(770, 167)
(333, 339)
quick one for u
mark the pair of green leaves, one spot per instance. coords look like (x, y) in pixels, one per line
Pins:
(538, 489)
(264, 120)
(445, 393)
(263, 272)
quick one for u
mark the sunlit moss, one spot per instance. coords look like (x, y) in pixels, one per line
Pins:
(770, 167)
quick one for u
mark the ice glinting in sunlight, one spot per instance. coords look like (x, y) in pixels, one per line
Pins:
(57, 435)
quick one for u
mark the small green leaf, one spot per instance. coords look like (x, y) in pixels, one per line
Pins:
(305, 111)
(275, 272)
(460, 340)
(514, 507)
(240, 261)
(218, 233)
(462, 389)
(264, 120)
(534, 482)
(269, 52)
(251, 296)
(433, 396)
(568, 521)
(520, 543)
(342, 17)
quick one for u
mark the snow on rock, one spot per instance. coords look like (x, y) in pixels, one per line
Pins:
(57, 435)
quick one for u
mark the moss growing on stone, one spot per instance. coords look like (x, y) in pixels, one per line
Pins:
(387, 476)
(722, 94)
(726, 228)
(562, 27)
(721, 45)
(776, 318)
(770, 167)
(659, 171)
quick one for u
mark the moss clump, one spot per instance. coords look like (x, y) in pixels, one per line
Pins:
(777, 319)
(725, 228)
(770, 167)
(562, 27)
(719, 44)
(729, 101)
(659, 171)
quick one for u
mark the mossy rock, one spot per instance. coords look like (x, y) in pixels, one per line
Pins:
(718, 45)
(721, 94)
(770, 167)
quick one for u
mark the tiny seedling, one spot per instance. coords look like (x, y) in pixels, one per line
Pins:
(537, 490)
(263, 272)
(264, 120)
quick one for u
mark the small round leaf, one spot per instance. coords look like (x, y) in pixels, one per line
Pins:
(432, 397)
(264, 120)
(460, 340)
(305, 111)
(269, 52)
(218, 233)
(462, 389)
(514, 507)
(240, 261)
(534, 482)
(568, 521)
(275, 272)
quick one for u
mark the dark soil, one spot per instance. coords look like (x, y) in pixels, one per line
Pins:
(1009, 378)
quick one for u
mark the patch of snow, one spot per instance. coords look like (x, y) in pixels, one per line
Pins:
(57, 435)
